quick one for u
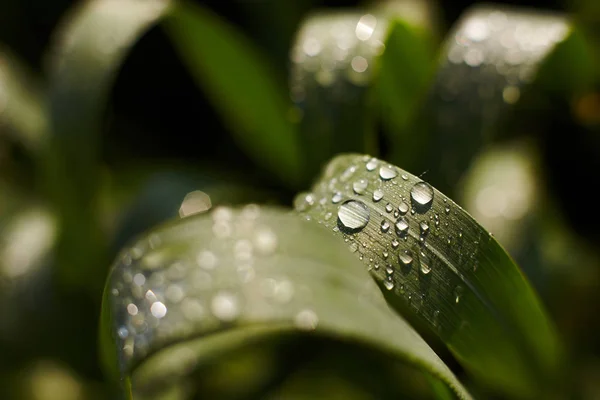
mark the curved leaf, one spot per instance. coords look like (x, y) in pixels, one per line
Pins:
(235, 76)
(427, 251)
(495, 59)
(338, 59)
(188, 294)
(93, 42)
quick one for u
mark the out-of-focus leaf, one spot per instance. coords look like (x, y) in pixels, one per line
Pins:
(425, 250)
(94, 40)
(22, 115)
(490, 63)
(238, 80)
(185, 296)
(337, 61)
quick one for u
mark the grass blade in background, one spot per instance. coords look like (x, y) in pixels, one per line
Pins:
(335, 66)
(93, 43)
(188, 294)
(424, 249)
(238, 80)
(491, 58)
(22, 114)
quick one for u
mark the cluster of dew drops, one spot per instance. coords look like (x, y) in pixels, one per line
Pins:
(354, 216)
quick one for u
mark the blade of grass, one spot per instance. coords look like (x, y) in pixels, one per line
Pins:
(92, 44)
(445, 268)
(241, 85)
(183, 295)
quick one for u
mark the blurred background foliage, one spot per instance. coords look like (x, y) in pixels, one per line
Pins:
(162, 139)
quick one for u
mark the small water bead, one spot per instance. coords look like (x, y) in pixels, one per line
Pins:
(158, 309)
(389, 285)
(132, 309)
(306, 320)
(458, 293)
(225, 307)
(389, 270)
(396, 214)
(395, 244)
(123, 332)
(371, 164)
(353, 215)
(402, 226)
(405, 258)
(405, 177)
(328, 216)
(403, 208)
(425, 262)
(387, 172)
(422, 194)
(347, 173)
(385, 226)
(447, 210)
(336, 198)
(424, 228)
(385, 254)
(360, 186)
(377, 195)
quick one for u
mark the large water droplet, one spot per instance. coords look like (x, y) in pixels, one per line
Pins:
(353, 215)
(360, 186)
(405, 258)
(401, 226)
(387, 173)
(377, 195)
(422, 196)
(385, 226)
(389, 285)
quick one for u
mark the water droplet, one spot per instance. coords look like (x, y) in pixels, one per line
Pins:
(395, 244)
(396, 214)
(348, 173)
(389, 208)
(387, 172)
(403, 208)
(405, 177)
(132, 309)
(424, 228)
(401, 227)
(328, 216)
(303, 201)
(336, 198)
(405, 258)
(385, 254)
(425, 262)
(360, 186)
(265, 241)
(377, 195)
(422, 195)
(158, 309)
(372, 164)
(353, 215)
(385, 226)
(389, 285)
(458, 293)
(353, 247)
(225, 307)
(447, 210)
(306, 320)
(206, 259)
(123, 332)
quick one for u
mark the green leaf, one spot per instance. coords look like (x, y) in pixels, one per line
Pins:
(497, 61)
(345, 64)
(439, 264)
(184, 300)
(241, 85)
(92, 44)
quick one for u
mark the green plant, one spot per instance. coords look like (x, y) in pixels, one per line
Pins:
(248, 301)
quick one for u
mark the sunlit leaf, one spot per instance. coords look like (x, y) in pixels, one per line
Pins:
(428, 252)
(192, 295)
(240, 83)
(493, 64)
(93, 42)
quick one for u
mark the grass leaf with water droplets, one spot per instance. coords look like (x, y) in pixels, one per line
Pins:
(93, 42)
(239, 82)
(427, 251)
(186, 295)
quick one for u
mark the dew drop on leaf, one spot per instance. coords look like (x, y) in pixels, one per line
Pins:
(387, 172)
(377, 195)
(425, 263)
(336, 198)
(403, 208)
(360, 186)
(385, 226)
(401, 226)
(371, 164)
(422, 195)
(353, 215)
